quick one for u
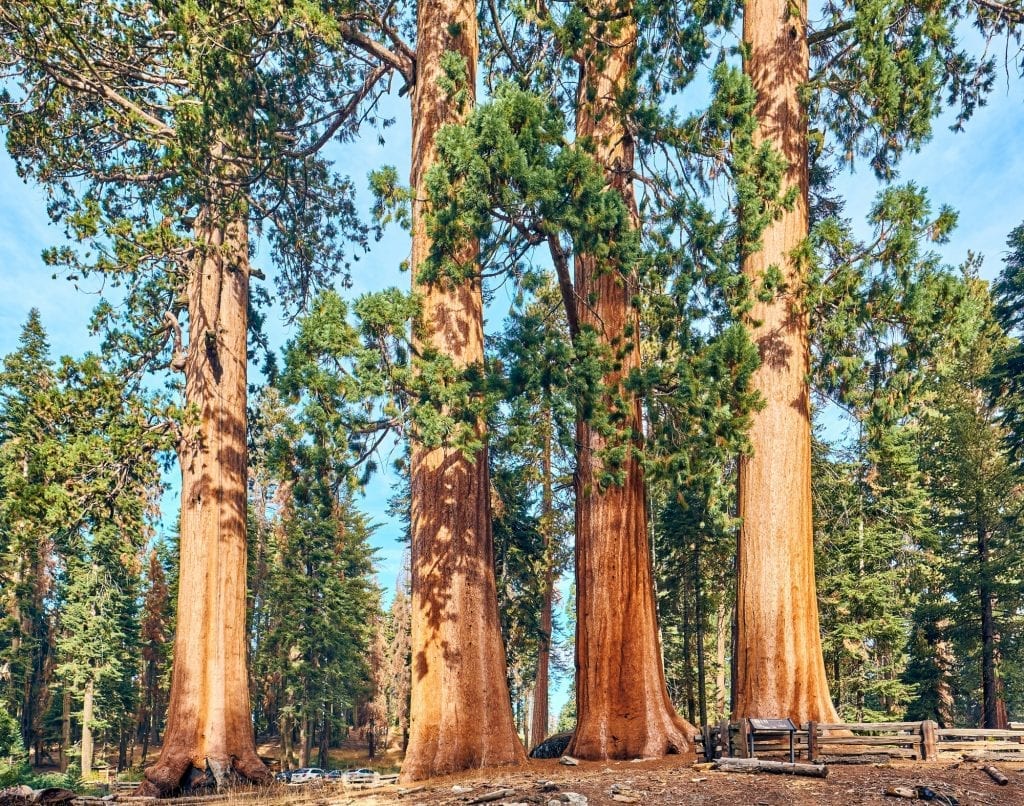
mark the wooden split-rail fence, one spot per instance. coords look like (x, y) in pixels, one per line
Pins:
(841, 741)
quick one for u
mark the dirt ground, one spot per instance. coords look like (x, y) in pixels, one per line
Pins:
(667, 781)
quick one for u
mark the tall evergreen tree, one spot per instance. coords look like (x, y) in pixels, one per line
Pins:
(191, 124)
(27, 445)
(870, 81)
(975, 489)
(454, 600)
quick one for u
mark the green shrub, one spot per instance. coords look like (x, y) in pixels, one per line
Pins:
(13, 758)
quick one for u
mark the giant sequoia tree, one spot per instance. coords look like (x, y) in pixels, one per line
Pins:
(189, 125)
(780, 670)
(458, 662)
(622, 704)
(876, 80)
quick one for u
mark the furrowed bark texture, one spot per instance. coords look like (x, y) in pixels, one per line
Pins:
(623, 707)
(460, 712)
(208, 717)
(780, 670)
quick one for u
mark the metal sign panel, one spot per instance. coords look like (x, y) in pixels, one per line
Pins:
(772, 725)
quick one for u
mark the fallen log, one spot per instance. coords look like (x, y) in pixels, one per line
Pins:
(995, 775)
(492, 796)
(864, 758)
(750, 765)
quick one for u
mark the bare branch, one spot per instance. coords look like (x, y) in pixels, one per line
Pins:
(345, 113)
(561, 261)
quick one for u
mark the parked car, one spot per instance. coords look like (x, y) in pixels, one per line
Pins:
(361, 776)
(336, 775)
(284, 776)
(307, 775)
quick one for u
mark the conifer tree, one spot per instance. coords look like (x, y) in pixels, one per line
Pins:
(869, 82)
(975, 490)
(454, 600)
(532, 449)
(157, 629)
(191, 124)
(78, 458)
(28, 532)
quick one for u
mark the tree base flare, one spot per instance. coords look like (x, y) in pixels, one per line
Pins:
(420, 770)
(176, 775)
(628, 743)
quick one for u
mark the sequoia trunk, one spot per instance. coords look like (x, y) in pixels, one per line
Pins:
(460, 711)
(623, 707)
(208, 717)
(780, 671)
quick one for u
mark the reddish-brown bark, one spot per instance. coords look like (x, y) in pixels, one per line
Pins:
(208, 717)
(623, 708)
(460, 712)
(780, 670)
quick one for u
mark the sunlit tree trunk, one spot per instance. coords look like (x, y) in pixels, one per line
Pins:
(208, 717)
(623, 707)
(780, 671)
(460, 711)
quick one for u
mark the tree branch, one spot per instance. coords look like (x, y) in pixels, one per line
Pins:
(403, 63)
(561, 261)
(1012, 13)
(825, 34)
(344, 113)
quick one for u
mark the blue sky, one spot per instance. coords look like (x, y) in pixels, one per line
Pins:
(979, 172)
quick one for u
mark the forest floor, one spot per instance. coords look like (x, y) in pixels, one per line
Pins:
(668, 781)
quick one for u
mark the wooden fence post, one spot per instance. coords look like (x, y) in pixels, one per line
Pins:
(723, 737)
(743, 740)
(812, 740)
(929, 740)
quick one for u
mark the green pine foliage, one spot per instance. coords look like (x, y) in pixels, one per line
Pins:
(314, 602)
(78, 456)
(976, 503)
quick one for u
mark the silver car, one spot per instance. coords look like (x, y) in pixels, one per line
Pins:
(363, 776)
(307, 775)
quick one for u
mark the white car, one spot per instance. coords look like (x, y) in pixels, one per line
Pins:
(363, 776)
(307, 775)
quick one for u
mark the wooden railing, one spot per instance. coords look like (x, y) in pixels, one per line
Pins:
(904, 739)
(984, 743)
(923, 741)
